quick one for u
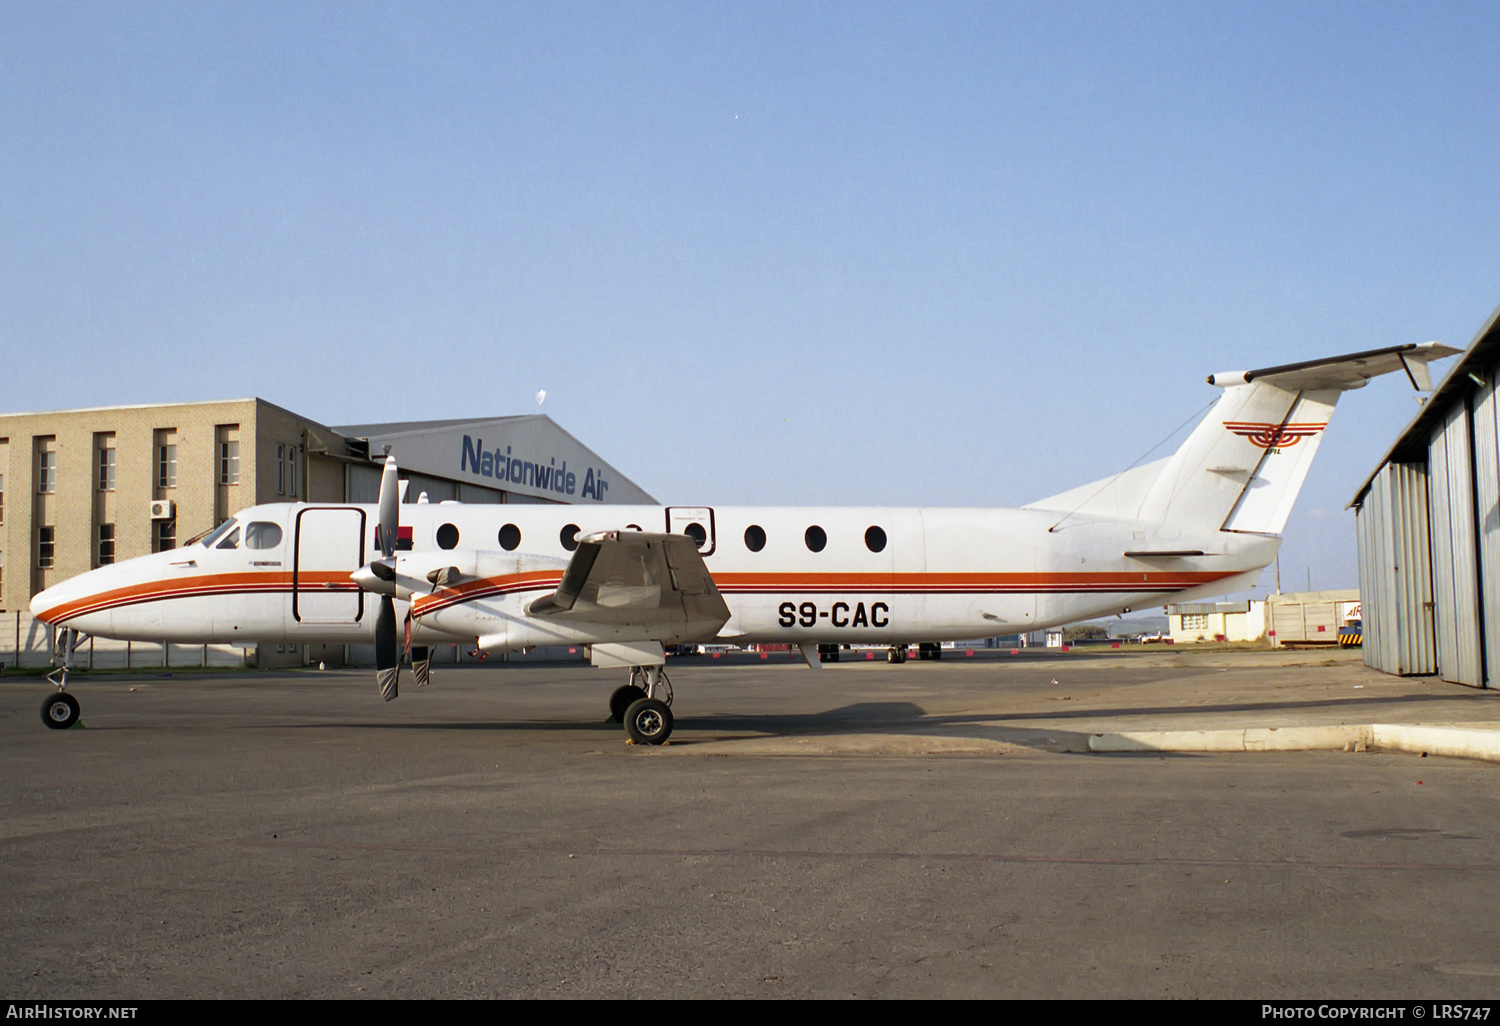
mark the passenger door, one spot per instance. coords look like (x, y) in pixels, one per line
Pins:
(329, 546)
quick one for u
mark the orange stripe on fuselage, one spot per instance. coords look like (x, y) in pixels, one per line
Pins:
(484, 586)
(959, 582)
(199, 585)
(885, 583)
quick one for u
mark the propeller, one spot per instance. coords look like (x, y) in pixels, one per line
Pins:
(383, 571)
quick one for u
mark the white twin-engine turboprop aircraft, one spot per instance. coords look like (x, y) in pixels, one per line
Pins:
(627, 580)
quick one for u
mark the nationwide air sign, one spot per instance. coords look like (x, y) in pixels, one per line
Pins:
(506, 468)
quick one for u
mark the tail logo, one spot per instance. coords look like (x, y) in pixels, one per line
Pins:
(1274, 436)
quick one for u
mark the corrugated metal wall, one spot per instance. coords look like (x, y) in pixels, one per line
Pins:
(1395, 572)
(1487, 502)
(1455, 548)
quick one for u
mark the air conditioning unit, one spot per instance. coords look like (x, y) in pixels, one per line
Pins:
(162, 509)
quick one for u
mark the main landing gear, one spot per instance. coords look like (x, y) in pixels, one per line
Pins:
(60, 711)
(643, 705)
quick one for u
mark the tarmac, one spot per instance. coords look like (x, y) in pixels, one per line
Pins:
(950, 829)
(1153, 700)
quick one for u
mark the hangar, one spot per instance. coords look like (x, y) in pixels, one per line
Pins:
(1428, 526)
(89, 487)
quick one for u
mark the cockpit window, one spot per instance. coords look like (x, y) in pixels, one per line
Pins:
(262, 535)
(231, 540)
(209, 537)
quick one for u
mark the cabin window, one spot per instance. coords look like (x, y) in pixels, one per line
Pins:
(569, 537)
(447, 537)
(816, 538)
(262, 535)
(875, 539)
(510, 537)
(697, 533)
(755, 537)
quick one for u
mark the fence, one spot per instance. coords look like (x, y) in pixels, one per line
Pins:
(27, 641)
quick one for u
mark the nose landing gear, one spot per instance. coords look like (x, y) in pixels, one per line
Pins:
(643, 706)
(60, 711)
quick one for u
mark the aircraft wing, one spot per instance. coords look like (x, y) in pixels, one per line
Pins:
(636, 578)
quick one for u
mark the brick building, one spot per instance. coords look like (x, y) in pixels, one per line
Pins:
(81, 488)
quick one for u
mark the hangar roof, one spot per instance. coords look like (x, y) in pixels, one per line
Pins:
(1411, 445)
(526, 453)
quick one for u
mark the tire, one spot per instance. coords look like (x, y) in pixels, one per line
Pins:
(648, 721)
(896, 655)
(828, 653)
(60, 711)
(621, 700)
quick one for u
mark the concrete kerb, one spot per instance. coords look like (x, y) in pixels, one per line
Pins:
(1469, 741)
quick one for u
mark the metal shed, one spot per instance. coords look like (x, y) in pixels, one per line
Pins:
(1428, 526)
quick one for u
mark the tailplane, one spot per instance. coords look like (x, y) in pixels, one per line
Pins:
(1243, 465)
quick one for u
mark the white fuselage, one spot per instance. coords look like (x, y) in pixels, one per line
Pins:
(920, 575)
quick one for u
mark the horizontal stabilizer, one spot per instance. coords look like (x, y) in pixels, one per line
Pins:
(1345, 372)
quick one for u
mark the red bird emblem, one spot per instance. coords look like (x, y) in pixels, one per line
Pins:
(1274, 436)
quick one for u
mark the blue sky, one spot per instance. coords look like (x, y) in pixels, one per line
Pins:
(942, 254)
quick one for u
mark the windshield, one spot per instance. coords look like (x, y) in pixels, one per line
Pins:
(208, 538)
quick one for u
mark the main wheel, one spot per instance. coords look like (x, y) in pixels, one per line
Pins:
(896, 654)
(648, 721)
(60, 711)
(624, 695)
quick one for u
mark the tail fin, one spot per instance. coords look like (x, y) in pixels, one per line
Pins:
(1243, 465)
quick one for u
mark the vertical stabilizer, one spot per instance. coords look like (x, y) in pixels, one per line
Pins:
(1243, 465)
(1241, 468)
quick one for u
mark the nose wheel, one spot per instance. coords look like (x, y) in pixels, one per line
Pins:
(60, 711)
(643, 706)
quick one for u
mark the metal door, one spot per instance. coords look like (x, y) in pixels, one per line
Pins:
(330, 546)
(695, 521)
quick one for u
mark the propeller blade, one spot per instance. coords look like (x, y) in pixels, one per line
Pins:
(390, 508)
(387, 654)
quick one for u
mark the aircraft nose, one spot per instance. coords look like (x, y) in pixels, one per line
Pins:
(45, 605)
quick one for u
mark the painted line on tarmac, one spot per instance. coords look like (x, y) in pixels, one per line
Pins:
(555, 851)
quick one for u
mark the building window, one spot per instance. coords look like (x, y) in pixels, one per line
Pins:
(1195, 621)
(281, 470)
(106, 544)
(107, 469)
(2, 498)
(291, 461)
(46, 472)
(166, 534)
(166, 466)
(45, 546)
(229, 463)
